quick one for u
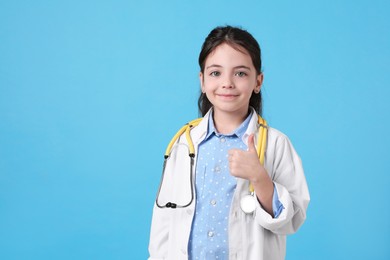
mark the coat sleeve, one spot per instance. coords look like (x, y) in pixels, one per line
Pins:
(286, 171)
(170, 227)
(159, 232)
(161, 219)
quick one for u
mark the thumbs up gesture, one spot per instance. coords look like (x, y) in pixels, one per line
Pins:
(246, 164)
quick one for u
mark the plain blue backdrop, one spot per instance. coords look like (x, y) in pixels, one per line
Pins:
(92, 91)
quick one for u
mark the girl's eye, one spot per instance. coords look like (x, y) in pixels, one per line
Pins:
(241, 74)
(215, 73)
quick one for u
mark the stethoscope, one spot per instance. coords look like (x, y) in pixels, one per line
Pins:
(248, 202)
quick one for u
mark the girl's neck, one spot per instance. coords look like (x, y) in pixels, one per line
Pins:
(226, 123)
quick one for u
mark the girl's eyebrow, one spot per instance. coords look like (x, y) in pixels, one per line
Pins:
(242, 67)
(213, 66)
(237, 67)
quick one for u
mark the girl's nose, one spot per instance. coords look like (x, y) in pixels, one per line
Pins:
(228, 82)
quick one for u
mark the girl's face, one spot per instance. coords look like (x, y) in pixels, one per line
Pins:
(228, 80)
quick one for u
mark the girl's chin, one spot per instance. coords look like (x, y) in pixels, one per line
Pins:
(233, 109)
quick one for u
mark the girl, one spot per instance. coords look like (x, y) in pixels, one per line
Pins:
(216, 221)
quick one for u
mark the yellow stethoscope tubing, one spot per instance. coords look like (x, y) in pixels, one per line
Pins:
(261, 144)
(261, 147)
(185, 129)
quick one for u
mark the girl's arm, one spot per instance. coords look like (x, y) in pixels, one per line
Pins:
(285, 169)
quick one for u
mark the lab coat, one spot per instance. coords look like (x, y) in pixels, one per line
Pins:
(255, 236)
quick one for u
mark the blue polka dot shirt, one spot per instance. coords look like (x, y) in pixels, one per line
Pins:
(214, 192)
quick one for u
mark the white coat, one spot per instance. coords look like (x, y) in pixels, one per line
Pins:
(256, 236)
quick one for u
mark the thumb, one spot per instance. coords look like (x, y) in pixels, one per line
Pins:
(251, 143)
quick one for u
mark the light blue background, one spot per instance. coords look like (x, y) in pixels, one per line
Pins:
(92, 91)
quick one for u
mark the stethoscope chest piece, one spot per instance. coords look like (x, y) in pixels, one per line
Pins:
(248, 203)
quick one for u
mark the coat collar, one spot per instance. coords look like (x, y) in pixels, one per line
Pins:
(199, 132)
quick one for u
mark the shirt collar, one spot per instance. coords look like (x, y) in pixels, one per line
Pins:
(239, 132)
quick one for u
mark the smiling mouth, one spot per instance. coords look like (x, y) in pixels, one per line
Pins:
(227, 96)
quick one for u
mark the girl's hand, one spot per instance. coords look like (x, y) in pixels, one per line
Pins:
(246, 164)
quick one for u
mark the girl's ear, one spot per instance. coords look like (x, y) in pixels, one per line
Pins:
(259, 82)
(201, 82)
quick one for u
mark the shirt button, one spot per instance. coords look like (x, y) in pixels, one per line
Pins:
(223, 140)
(210, 233)
(217, 169)
(213, 202)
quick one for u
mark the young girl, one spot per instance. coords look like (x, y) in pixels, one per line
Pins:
(217, 200)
